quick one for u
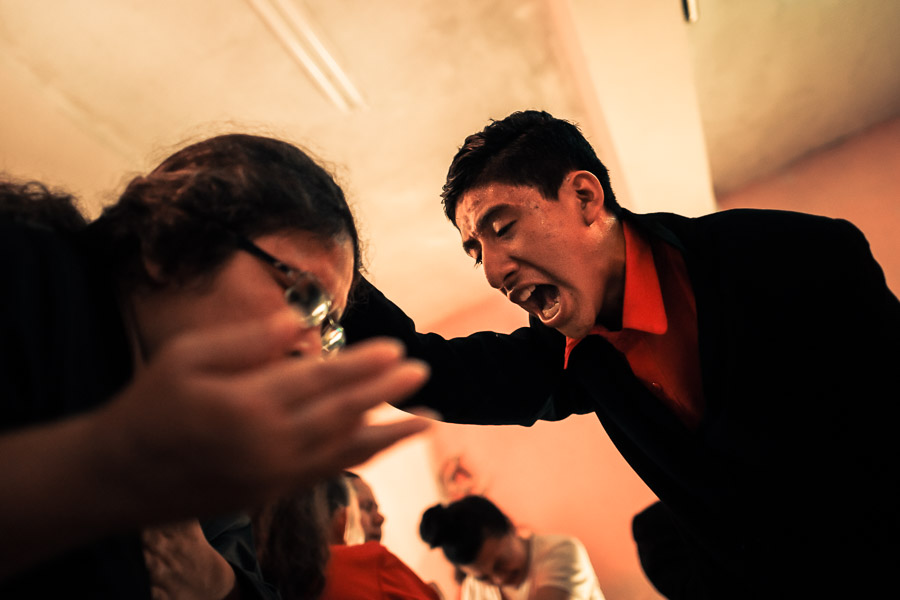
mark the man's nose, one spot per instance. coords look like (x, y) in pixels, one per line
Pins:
(379, 518)
(498, 267)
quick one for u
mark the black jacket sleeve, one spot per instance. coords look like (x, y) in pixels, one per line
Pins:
(483, 378)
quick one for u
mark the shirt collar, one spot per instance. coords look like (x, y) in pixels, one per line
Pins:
(642, 304)
(642, 301)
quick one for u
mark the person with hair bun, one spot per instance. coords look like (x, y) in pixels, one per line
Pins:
(165, 362)
(501, 563)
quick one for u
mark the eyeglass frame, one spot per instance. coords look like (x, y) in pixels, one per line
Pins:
(294, 275)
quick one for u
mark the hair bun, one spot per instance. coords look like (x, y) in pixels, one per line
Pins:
(433, 524)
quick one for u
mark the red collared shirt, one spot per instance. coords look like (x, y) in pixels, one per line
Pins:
(659, 326)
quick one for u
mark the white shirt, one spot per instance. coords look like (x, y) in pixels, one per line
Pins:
(557, 561)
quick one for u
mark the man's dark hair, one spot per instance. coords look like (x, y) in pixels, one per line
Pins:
(529, 148)
(461, 527)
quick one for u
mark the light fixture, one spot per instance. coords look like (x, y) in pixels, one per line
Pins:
(691, 10)
(293, 27)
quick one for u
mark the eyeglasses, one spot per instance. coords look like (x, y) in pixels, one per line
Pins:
(306, 294)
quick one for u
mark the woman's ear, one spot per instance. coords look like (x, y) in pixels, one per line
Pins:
(153, 270)
(589, 193)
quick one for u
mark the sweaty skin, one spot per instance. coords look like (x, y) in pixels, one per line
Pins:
(563, 260)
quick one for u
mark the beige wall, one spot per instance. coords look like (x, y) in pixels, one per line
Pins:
(857, 179)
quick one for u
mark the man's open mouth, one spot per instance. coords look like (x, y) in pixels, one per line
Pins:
(541, 300)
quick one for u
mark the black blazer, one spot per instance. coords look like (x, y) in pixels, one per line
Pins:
(785, 487)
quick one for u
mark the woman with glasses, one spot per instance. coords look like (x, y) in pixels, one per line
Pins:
(165, 362)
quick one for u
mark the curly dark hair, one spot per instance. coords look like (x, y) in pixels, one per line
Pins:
(35, 204)
(182, 216)
(529, 148)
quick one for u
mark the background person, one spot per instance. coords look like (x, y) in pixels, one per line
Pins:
(365, 569)
(343, 515)
(303, 549)
(292, 540)
(499, 562)
(371, 518)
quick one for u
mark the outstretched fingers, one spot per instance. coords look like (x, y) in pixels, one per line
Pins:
(341, 408)
(376, 365)
(235, 347)
(355, 447)
(372, 439)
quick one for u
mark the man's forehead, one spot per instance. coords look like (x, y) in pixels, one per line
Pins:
(478, 205)
(476, 201)
(470, 205)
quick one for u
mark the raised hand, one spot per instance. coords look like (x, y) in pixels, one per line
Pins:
(225, 418)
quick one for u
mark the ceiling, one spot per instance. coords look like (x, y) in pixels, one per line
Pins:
(95, 92)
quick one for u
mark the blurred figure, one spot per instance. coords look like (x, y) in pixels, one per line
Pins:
(302, 549)
(344, 522)
(367, 571)
(292, 541)
(152, 367)
(371, 518)
(500, 563)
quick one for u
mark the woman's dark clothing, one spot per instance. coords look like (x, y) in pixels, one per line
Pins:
(64, 351)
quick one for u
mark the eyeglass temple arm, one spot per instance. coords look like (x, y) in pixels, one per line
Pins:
(248, 246)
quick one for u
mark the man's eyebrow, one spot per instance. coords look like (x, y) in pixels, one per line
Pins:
(471, 243)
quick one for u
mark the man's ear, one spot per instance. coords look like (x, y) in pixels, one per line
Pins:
(589, 192)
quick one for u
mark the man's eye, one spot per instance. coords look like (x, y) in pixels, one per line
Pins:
(505, 229)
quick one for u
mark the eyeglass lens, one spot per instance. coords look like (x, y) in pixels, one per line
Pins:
(313, 303)
(311, 300)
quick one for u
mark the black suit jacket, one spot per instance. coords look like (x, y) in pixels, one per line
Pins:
(786, 486)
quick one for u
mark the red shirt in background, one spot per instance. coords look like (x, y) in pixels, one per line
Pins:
(371, 572)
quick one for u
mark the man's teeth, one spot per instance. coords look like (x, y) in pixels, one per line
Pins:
(551, 310)
(547, 305)
(524, 294)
